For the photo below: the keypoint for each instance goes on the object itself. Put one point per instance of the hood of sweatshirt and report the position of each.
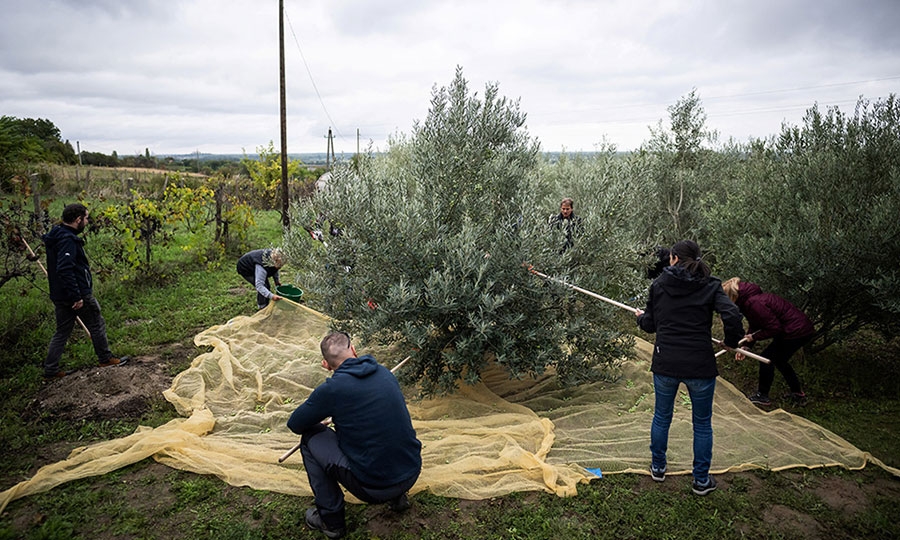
(677, 281)
(358, 367)
(60, 233)
(747, 290)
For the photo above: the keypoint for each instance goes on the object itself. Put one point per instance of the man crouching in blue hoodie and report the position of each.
(372, 451)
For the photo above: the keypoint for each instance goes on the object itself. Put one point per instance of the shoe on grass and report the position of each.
(658, 475)
(314, 521)
(115, 361)
(399, 504)
(797, 398)
(705, 488)
(57, 375)
(760, 399)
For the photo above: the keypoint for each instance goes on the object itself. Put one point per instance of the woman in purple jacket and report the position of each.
(771, 316)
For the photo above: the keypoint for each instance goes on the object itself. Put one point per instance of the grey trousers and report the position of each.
(65, 321)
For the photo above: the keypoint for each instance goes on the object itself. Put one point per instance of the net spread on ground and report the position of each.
(494, 438)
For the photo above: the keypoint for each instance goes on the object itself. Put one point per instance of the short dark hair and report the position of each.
(334, 346)
(73, 211)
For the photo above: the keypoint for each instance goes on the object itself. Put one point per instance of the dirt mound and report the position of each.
(96, 393)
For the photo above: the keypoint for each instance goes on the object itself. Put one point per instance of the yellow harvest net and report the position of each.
(487, 440)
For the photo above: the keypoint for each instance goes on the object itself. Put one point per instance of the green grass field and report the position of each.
(854, 391)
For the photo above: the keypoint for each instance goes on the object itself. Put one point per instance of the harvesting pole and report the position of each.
(636, 311)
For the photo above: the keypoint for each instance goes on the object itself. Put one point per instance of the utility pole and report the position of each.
(285, 198)
(329, 153)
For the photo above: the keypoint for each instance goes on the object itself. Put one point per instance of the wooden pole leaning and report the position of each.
(35, 257)
(718, 342)
(328, 420)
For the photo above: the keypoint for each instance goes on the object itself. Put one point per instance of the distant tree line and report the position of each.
(26, 142)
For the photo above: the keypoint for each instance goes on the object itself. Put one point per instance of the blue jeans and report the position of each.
(701, 392)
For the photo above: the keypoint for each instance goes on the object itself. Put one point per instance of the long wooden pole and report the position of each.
(328, 420)
(636, 311)
(35, 257)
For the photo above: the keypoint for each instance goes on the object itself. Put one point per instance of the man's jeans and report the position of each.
(327, 469)
(65, 321)
(701, 392)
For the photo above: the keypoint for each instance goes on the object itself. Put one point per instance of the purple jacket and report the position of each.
(770, 315)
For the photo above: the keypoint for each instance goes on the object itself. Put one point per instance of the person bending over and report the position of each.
(256, 267)
(771, 316)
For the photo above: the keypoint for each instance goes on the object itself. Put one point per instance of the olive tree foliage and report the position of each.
(812, 215)
(434, 240)
(610, 194)
(680, 167)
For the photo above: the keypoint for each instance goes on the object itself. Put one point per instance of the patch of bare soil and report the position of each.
(116, 392)
(842, 496)
(790, 522)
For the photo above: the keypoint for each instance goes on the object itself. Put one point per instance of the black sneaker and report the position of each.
(115, 361)
(658, 475)
(399, 504)
(703, 489)
(797, 398)
(314, 521)
(52, 376)
(760, 399)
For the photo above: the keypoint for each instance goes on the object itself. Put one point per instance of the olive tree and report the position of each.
(430, 245)
(812, 215)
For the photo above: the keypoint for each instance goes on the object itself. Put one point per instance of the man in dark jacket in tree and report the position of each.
(567, 221)
(71, 289)
(372, 451)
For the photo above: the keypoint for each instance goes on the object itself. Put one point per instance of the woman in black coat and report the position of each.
(679, 310)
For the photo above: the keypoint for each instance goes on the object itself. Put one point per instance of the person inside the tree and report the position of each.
(567, 222)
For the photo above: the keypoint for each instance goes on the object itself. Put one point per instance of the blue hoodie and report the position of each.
(68, 270)
(375, 432)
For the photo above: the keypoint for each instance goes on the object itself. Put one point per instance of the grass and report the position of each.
(855, 395)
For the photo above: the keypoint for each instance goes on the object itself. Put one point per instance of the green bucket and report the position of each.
(289, 291)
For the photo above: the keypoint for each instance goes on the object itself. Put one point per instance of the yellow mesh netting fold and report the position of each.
(491, 439)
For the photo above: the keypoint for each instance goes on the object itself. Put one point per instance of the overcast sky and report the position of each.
(179, 76)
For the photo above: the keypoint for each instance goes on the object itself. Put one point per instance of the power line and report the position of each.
(311, 80)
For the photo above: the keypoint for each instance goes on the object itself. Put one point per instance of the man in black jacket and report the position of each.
(372, 451)
(71, 289)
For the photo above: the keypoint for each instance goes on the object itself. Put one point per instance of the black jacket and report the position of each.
(68, 270)
(679, 310)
